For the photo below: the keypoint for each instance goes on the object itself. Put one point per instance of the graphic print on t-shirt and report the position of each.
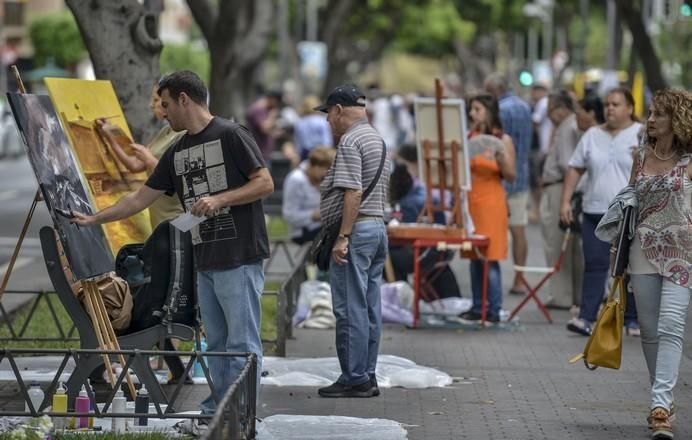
(202, 172)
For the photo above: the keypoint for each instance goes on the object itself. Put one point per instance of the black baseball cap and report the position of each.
(348, 95)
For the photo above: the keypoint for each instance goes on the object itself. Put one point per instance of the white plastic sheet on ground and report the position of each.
(392, 371)
(453, 306)
(296, 427)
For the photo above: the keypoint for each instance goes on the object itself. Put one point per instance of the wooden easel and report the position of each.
(92, 296)
(444, 161)
(27, 221)
(104, 329)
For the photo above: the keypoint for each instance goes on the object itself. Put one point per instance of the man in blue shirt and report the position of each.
(515, 115)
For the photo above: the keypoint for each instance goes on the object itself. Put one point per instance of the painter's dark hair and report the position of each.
(184, 81)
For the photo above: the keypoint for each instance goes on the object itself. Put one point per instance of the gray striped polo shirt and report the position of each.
(358, 157)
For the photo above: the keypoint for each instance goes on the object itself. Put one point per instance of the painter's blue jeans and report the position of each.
(356, 301)
(230, 303)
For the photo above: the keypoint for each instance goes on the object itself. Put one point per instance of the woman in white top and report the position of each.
(606, 152)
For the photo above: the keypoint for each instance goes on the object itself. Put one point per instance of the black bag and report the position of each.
(320, 252)
(623, 242)
(322, 245)
(160, 275)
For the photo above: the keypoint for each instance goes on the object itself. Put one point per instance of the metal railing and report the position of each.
(291, 258)
(17, 329)
(235, 415)
(243, 404)
(292, 274)
(290, 289)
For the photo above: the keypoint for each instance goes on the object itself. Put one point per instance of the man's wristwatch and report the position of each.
(346, 236)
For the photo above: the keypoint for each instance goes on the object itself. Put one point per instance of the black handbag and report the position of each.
(622, 244)
(320, 252)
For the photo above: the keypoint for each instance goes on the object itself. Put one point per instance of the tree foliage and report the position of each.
(185, 56)
(431, 29)
(56, 36)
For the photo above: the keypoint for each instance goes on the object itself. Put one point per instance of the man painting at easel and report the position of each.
(231, 243)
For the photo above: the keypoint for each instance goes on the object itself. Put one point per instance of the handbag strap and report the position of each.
(618, 287)
(377, 175)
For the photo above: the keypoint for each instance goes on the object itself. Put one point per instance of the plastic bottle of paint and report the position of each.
(197, 371)
(60, 405)
(92, 403)
(35, 394)
(118, 406)
(142, 405)
(81, 405)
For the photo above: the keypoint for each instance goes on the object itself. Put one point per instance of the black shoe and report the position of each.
(340, 390)
(376, 389)
(492, 319)
(470, 317)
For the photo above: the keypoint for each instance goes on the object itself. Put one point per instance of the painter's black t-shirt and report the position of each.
(219, 158)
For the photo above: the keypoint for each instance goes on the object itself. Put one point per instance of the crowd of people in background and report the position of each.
(559, 161)
(550, 160)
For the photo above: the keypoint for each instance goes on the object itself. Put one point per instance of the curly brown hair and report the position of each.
(678, 104)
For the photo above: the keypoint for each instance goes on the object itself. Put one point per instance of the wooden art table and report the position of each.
(422, 236)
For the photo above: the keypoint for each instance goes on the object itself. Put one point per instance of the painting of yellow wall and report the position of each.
(80, 103)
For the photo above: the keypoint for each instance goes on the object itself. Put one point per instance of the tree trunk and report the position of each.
(123, 43)
(237, 34)
(642, 43)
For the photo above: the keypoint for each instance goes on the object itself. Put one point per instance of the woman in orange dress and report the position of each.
(492, 160)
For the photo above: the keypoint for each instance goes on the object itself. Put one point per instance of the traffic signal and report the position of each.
(525, 78)
(686, 8)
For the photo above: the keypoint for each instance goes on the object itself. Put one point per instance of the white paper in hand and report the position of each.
(187, 221)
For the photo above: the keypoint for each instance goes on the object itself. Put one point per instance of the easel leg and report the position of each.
(416, 283)
(22, 234)
(484, 292)
(101, 307)
(86, 285)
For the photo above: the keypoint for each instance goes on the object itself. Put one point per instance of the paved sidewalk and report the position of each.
(510, 385)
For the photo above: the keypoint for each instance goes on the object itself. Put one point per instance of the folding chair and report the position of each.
(532, 292)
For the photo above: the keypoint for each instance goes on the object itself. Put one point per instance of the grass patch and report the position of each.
(41, 325)
(44, 325)
(277, 229)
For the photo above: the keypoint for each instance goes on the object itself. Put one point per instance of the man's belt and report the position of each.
(363, 217)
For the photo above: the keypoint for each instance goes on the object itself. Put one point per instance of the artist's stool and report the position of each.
(532, 292)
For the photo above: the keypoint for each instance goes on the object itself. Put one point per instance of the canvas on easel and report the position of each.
(61, 185)
(443, 158)
(454, 122)
(79, 103)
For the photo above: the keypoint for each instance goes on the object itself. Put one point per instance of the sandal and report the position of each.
(633, 331)
(580, 326)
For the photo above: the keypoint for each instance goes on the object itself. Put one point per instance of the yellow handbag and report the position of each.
(604, 347)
